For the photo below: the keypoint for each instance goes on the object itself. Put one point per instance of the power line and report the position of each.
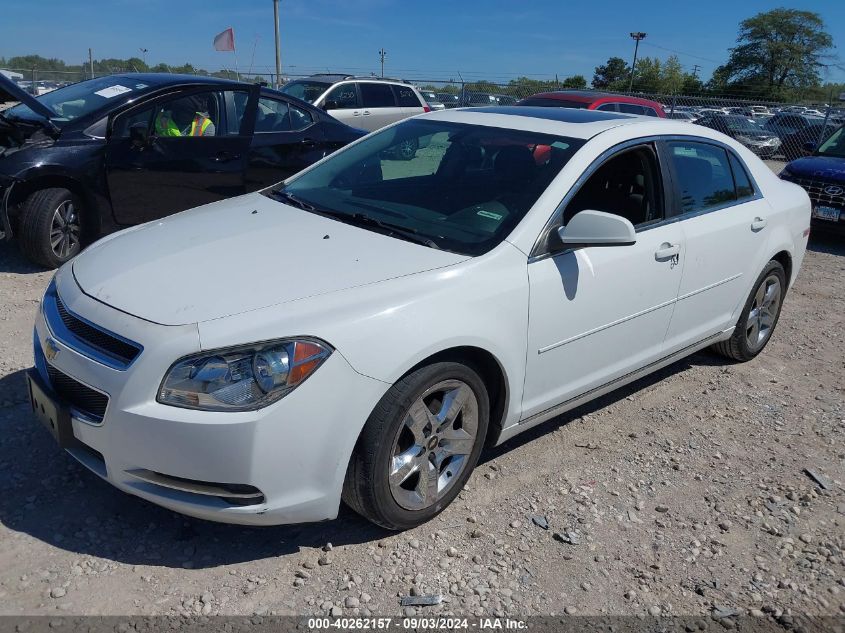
(672, 50)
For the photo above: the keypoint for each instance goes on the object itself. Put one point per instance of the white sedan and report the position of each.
(361, 331)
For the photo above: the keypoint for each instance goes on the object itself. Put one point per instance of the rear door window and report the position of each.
(744, 188)
(377, 95)
(703, 172)
(406, 98)
(608, 107)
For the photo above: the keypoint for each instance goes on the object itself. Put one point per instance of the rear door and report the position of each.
(723, 217)
(379, 105)
(173, 170)
(287, 138)
(408, 101)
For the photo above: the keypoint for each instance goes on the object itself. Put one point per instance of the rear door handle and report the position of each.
(308, 142)
(758, 224)
(356, 113)
(667, 251)
(366, 113)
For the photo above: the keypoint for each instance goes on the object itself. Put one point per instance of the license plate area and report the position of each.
(52, 414)
(826, 213)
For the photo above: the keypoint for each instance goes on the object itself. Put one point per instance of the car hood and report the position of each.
(239, 255)
(825, 167)
(10, 91)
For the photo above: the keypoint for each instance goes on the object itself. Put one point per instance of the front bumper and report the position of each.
(294, 452)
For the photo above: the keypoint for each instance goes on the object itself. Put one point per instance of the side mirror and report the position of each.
(331, 105)
(809, 147)
(597, 228)
(139, 134)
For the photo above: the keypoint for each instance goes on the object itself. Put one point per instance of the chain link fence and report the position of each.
(770, 128)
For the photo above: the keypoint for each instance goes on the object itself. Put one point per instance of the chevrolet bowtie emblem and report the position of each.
(51, 349)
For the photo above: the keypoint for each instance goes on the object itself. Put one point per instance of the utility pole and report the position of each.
(382, 54)
(278, 47)
(91, 62)
(639, 35)
(695, 69)
(144, 56)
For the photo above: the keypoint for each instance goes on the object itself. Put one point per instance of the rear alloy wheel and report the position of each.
(419, 446)
(759, 315)
(51, 227)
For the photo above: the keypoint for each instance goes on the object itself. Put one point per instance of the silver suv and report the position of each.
(368, 103)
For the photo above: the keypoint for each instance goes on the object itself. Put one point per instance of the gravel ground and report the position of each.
(684, 493)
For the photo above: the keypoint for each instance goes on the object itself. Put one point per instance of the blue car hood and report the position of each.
(825, 167)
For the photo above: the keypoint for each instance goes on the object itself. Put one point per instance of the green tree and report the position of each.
(778, 50)
(612, 75)
(647, 75)
(575, 81)
(671, 76)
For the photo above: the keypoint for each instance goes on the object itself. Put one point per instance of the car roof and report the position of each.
(571, 122)
(165, 79)
(591, 96)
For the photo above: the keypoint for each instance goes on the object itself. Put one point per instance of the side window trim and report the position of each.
(541, 250)
(720, 207)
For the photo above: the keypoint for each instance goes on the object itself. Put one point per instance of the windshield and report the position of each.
(741, 124)
(76, 100)
(452, 186)
(308, 91)
(834, 145)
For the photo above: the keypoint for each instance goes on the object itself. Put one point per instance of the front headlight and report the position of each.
(242, 378)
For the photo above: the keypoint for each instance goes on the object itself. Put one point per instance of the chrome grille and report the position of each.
(87, 401)
(816, 190)
(85, 337)
(96, 337)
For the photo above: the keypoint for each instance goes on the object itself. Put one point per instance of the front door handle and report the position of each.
(366, 113)
(225, 157)
(758, 224)
(308, 142)
(667, 251)
(356, 113)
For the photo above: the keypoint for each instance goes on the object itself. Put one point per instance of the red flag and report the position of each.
(225, 41)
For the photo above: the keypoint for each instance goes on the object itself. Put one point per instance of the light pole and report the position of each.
(639, 35)
(278, 49)
(382, 54)
(144, 56)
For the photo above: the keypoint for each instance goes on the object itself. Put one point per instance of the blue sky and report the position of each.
(432, 39)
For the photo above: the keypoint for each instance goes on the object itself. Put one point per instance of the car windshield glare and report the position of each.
(834, 145)
(308, 91)
(81, 99)
(453, 186)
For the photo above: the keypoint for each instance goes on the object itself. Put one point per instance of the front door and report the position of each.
(194, 153)
(598, 313)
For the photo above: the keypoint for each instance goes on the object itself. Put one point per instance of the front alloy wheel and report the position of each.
(419, 446)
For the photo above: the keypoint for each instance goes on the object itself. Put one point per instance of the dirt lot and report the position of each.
(685, 493)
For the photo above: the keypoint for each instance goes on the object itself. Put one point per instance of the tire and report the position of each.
(44, 213)
(401, 500)
(754, 328)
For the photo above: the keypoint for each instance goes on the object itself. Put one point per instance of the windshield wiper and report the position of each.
(358, 219)
(402, 232)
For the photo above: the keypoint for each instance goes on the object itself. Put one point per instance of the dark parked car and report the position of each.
(806, 139)
(785, 123)
(595, 100)
(448, 99)
(745, 130)
(96, 156)
(822, 174)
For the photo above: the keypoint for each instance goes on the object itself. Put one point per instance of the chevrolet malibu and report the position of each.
(362, 330)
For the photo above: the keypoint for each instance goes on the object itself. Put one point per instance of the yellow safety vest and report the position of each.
(199, 125)
(166, 126)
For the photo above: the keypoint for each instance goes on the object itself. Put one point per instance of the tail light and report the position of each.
(426, 108)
